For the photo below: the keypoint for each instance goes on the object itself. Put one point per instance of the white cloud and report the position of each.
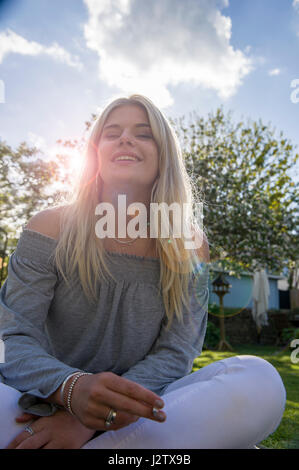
(10, 42)
(296, 4)
(274, 72)
(148, 46)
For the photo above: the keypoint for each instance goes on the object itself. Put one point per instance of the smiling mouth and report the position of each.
(126, 159)
(126, 162)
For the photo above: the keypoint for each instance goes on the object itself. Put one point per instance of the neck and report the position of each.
(133, 194)
(122, 197)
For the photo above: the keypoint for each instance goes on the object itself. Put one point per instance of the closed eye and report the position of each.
(116, 136)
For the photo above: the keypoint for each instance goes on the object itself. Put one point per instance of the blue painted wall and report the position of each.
(240, 294)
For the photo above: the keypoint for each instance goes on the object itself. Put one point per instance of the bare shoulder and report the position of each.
(46, 222)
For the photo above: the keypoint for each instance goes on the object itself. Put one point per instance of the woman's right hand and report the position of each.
(93, 396)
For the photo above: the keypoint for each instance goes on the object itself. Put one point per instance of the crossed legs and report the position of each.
(230, 404)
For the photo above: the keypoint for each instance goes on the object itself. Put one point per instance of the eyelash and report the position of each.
(140, 135)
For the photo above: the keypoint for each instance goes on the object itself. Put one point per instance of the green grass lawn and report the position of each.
(286, 435)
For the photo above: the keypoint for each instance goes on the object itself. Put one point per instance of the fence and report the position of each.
(241, 328)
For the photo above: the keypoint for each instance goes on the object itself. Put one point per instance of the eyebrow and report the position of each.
(110, 126)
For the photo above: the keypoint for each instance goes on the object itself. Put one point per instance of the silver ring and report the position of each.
(110, 418)
(29, 429)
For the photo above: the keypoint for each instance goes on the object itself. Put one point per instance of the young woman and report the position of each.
(101, 328)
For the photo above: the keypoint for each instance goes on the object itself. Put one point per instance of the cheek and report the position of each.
(156, 159)
(101, 162)
(153, 152)
(104, 152)
(103, 149)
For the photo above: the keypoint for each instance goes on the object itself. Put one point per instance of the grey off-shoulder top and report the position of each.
(50, 330)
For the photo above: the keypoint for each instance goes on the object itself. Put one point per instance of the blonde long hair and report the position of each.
(78, 249)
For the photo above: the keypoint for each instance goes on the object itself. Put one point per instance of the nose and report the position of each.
(126, 137)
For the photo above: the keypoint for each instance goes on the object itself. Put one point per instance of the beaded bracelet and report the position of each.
(69, 395)
(64, 384)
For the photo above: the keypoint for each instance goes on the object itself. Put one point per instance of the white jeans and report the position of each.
(230, 404)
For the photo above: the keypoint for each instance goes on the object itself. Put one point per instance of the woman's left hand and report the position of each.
(59, 431)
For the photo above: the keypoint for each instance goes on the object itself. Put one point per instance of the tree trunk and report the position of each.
(294, 298)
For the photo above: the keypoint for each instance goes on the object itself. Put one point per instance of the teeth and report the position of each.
(126, 157)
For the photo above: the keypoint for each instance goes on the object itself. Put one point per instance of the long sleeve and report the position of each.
(175, 349)
(25, 298)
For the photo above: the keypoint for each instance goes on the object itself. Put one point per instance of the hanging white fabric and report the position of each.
(260, 298)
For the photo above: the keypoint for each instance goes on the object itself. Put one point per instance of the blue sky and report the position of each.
(62, 60)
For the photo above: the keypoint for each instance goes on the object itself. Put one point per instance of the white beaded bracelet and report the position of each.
(69, 395)
(64, 383)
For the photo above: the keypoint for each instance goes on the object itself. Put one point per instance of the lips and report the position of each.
(124, 153)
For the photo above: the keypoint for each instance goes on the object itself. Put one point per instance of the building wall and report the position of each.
(240, 295)
(241, 329)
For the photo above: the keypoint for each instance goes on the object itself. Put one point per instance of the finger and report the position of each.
(24, 417)
(37, 441)
(24, 435)
(100, 414)
(18, 440)
(129, 419)
(121, 418)
(51, 445)
(132, 406)
(134, 390)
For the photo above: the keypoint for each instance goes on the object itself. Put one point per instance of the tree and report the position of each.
(28, 184)
(242, 172)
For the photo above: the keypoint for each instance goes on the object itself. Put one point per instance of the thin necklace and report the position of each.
(145, 254)
(147, 251)
(127, 242)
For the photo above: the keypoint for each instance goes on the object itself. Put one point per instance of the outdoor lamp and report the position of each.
(221, 287)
